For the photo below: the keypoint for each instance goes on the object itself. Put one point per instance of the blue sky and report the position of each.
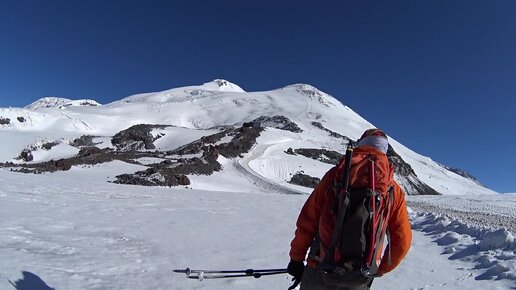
(439, 76)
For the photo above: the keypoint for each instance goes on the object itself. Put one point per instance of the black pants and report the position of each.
(312, 280)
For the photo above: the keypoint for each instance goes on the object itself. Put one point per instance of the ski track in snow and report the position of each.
(243, 167)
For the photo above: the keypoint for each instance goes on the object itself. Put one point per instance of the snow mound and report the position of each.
(79, 103)
(61, 103)
(492, 251)
(497, 239)
(47, 102)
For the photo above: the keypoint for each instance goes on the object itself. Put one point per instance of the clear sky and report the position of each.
(439, 76)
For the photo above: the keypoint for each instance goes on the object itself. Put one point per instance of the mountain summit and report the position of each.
(223, 85)
(61, 103)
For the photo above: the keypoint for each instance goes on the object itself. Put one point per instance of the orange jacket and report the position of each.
(308, 221)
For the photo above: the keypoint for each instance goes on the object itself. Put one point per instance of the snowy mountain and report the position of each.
(115, 196)
(61, 103)
(299, 118)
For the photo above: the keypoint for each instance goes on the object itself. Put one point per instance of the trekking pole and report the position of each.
(341, 204)
(347, 168)
(221, 274)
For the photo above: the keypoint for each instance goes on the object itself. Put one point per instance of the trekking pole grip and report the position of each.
(347, 168)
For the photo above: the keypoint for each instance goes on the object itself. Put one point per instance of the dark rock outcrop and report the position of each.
(242, 140)
(83, 141)
(304, 180)
(411, 184)
(137, 137)
(20, 119)
(89, 151)
(87, 156)
(290, 151)
(49, 145)
(401, 167)
(332, 133)
(278, 122)
(322, 155)
(5, 121)
(170, 173)
(153, 177)
(462, 173)
(26, 155)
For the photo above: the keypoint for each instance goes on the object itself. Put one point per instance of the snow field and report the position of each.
(77, 231)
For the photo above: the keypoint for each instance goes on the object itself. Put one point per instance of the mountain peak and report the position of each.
(61, 103)
(223, 85)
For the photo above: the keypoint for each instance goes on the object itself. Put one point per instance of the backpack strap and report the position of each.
(341, 206)
(382, 231)
(332, 255)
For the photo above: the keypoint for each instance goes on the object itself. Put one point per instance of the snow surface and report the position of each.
(76, 231)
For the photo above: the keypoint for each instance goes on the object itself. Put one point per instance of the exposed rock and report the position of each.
(83, 141)
(198, 146)
(322, 155)
(88, 156)
(26, 155)
(166, 173)
(290, 151)
(5, 121)
(304, 180)
(169, 173)
(332, 133)
(411, 184)
(21, 119)
(153, 177)
(49, 145)
(401, 167)
(25, 170)
(253, 124)
(8, 164)
(313, 93)
(63, 165)
(278, 122)
(243, 140)
(462, 173)
(137, 137)
(88, 151)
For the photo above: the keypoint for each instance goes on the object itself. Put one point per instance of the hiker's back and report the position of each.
(345, 220)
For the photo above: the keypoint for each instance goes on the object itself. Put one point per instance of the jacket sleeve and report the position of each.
(400, 231)
(308, 220)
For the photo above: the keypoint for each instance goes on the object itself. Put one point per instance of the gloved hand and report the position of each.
(295, 268)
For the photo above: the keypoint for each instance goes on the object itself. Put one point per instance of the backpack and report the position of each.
(353, 222)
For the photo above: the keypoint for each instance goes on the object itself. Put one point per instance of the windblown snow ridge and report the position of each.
(492, 251)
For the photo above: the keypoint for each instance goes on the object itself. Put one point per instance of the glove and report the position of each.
(295, 268)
